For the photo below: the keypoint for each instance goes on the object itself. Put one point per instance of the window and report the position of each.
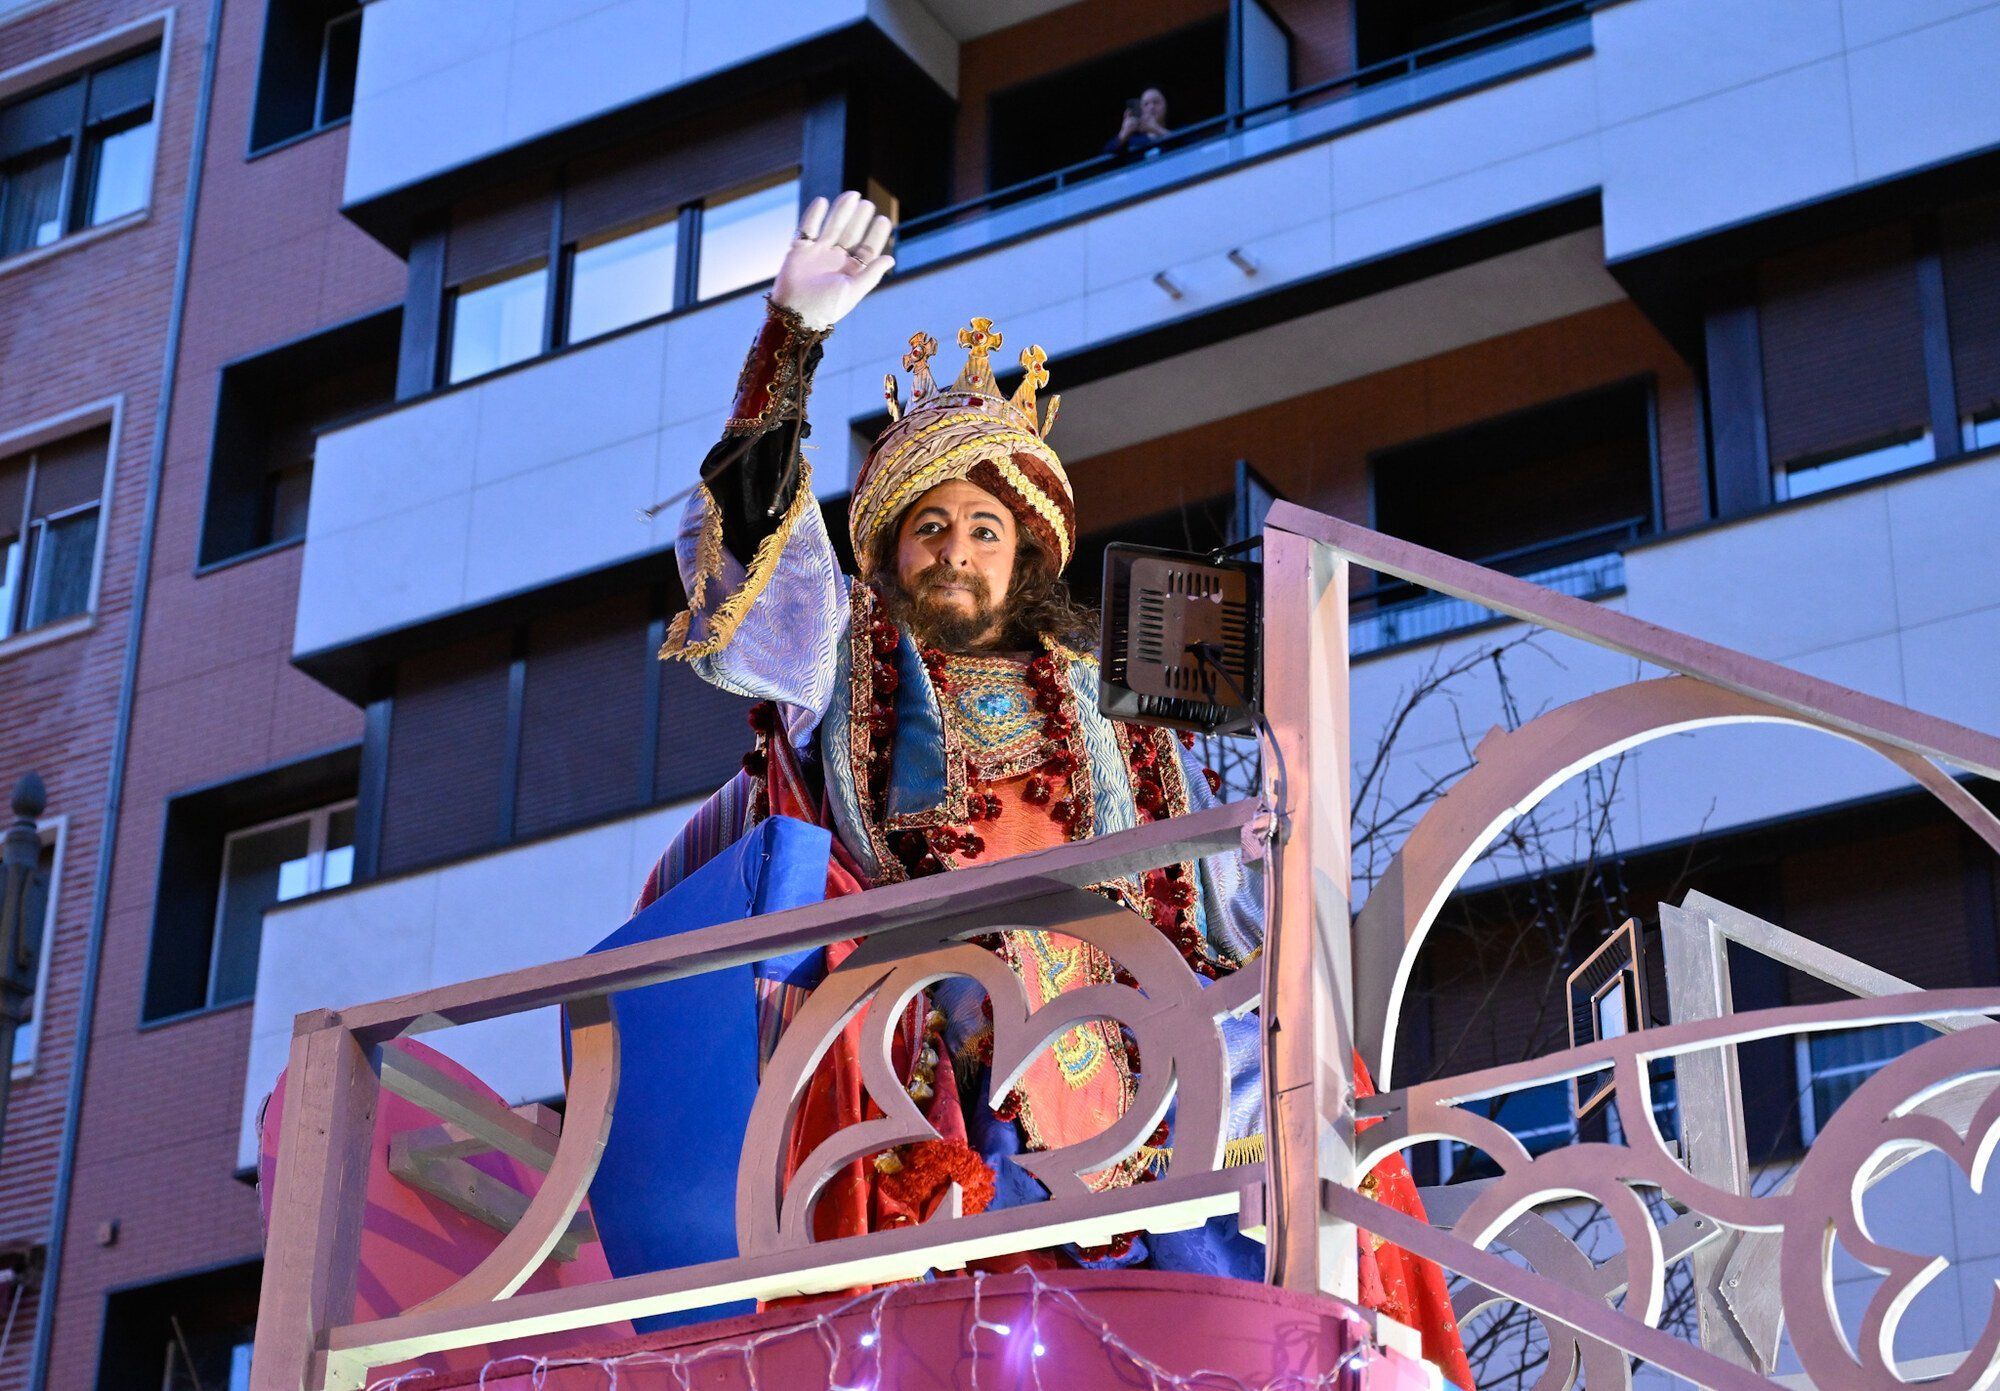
(232, 851)
(1970, 251)
(77, 155)
(1066, 117)
(633, 269)
(744, 235)
(1834, 1065)
(192, 1333)
(339, 57)
(1551, 493)
(623, 277)
(265, 866)
(566, 719)
(1982, 432)
(305, 82)
(1806, 477)
(49, 503)
(270, 412)
(41, 909)
(497, 321)
(1845, 391)
(613, 238)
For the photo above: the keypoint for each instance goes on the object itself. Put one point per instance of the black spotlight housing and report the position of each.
(1180, 639)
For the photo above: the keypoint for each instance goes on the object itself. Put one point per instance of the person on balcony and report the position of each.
(1144, 126)
(941, 710)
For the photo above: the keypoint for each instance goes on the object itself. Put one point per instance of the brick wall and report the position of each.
(79, 325)
(1315, 447)
(217, 698)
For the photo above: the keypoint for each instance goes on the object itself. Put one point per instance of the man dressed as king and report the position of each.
(939, 710)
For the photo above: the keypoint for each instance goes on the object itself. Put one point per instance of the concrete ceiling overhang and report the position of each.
(1502, 295)
(968, 19)
(1351, 324)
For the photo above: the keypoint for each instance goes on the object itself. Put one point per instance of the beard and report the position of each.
(924, 608)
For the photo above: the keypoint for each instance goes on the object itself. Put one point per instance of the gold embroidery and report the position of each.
(723, 623)
(994, 709)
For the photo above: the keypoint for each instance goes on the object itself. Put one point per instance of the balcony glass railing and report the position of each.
(1587, 565)
(1381, 89)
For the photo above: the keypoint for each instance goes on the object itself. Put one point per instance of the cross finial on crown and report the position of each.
(1037, 364)
(980, 339)
(917, 362)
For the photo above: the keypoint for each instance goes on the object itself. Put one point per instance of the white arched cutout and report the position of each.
(1513, 771)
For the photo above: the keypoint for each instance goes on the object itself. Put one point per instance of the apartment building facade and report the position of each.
(99, 109)
(1689, 309)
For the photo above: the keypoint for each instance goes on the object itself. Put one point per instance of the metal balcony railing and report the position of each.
(1583, 565)
(1328, 987)
(1369, 80)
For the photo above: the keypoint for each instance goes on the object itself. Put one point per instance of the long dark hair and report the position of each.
(1038, 604)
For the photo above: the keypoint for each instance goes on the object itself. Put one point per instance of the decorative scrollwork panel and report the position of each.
(1170, 1015)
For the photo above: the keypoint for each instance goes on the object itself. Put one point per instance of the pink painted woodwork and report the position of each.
(1244, 1334)
(414, 1245)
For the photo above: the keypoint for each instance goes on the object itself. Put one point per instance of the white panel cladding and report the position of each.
(522, 906)
(1909, 94)
(544, 462)
(1817, 586)
(1719, 114)
(445, 82)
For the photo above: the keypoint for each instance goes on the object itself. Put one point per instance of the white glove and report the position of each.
(835, 260)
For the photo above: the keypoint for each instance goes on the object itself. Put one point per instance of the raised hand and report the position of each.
(835, 260)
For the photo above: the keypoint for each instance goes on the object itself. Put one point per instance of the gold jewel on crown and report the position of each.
(975, 380)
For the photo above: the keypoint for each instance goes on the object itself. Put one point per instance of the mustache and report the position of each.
(942, 576)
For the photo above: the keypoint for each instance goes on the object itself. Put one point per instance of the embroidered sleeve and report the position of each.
(1232, 893)
(771, 629)
(752, 474)
(766, 606)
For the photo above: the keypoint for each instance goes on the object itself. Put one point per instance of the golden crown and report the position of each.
(980, 341)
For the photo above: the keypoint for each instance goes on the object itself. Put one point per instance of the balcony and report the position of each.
(1586, 566)
(1882, 588)
(1306, 1205)
(1413, 78)
(443, 86)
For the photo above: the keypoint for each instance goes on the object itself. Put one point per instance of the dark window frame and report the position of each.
(262, 139)
(228, 479)
(143, 1308)
(559, 263)
(194, 830)
(76, 132)
(654, 787)
(1618, 536)
(1646, 382)
(1747, 475)
(31, 530)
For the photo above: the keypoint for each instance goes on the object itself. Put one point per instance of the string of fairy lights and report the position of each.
(860, 1364)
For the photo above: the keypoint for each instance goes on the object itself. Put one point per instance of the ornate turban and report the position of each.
(971, 432)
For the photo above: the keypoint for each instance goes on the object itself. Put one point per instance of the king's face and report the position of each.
(955, 550)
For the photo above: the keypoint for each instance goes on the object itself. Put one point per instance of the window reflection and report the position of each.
(497, 321)
(265, 866)
(623, 277)
(744, 235)
(121, 170)
(31, 202)
(1803, 480)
